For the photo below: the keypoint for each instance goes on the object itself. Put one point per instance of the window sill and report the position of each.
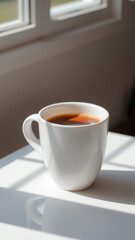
(45, 48)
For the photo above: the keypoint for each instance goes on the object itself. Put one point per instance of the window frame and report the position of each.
(24, 32)
(43, 27)
(76, 19)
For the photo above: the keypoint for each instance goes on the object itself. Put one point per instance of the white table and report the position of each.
(104, 211)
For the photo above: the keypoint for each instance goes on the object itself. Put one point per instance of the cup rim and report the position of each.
(73, 103)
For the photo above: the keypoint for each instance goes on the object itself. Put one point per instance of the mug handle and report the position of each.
(29, 134)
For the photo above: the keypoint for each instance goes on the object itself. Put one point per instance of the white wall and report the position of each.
(100, 72)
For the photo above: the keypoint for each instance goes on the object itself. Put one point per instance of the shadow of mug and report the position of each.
(114, 186)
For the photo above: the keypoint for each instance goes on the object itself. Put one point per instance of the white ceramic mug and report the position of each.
(72, 154)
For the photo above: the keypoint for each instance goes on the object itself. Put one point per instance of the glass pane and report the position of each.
(9, 10)
(59, 2)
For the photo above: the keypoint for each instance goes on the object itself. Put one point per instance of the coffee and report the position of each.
(73, 119)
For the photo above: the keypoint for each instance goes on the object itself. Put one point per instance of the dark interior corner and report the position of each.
(128, 126)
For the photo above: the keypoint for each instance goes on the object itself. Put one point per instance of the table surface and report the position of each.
(32, 207)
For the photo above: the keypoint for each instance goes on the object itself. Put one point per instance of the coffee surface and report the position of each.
(73, 119)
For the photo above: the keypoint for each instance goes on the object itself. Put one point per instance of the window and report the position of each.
(22, 21)
(61, 9)
(13, 14)
(67, 14)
